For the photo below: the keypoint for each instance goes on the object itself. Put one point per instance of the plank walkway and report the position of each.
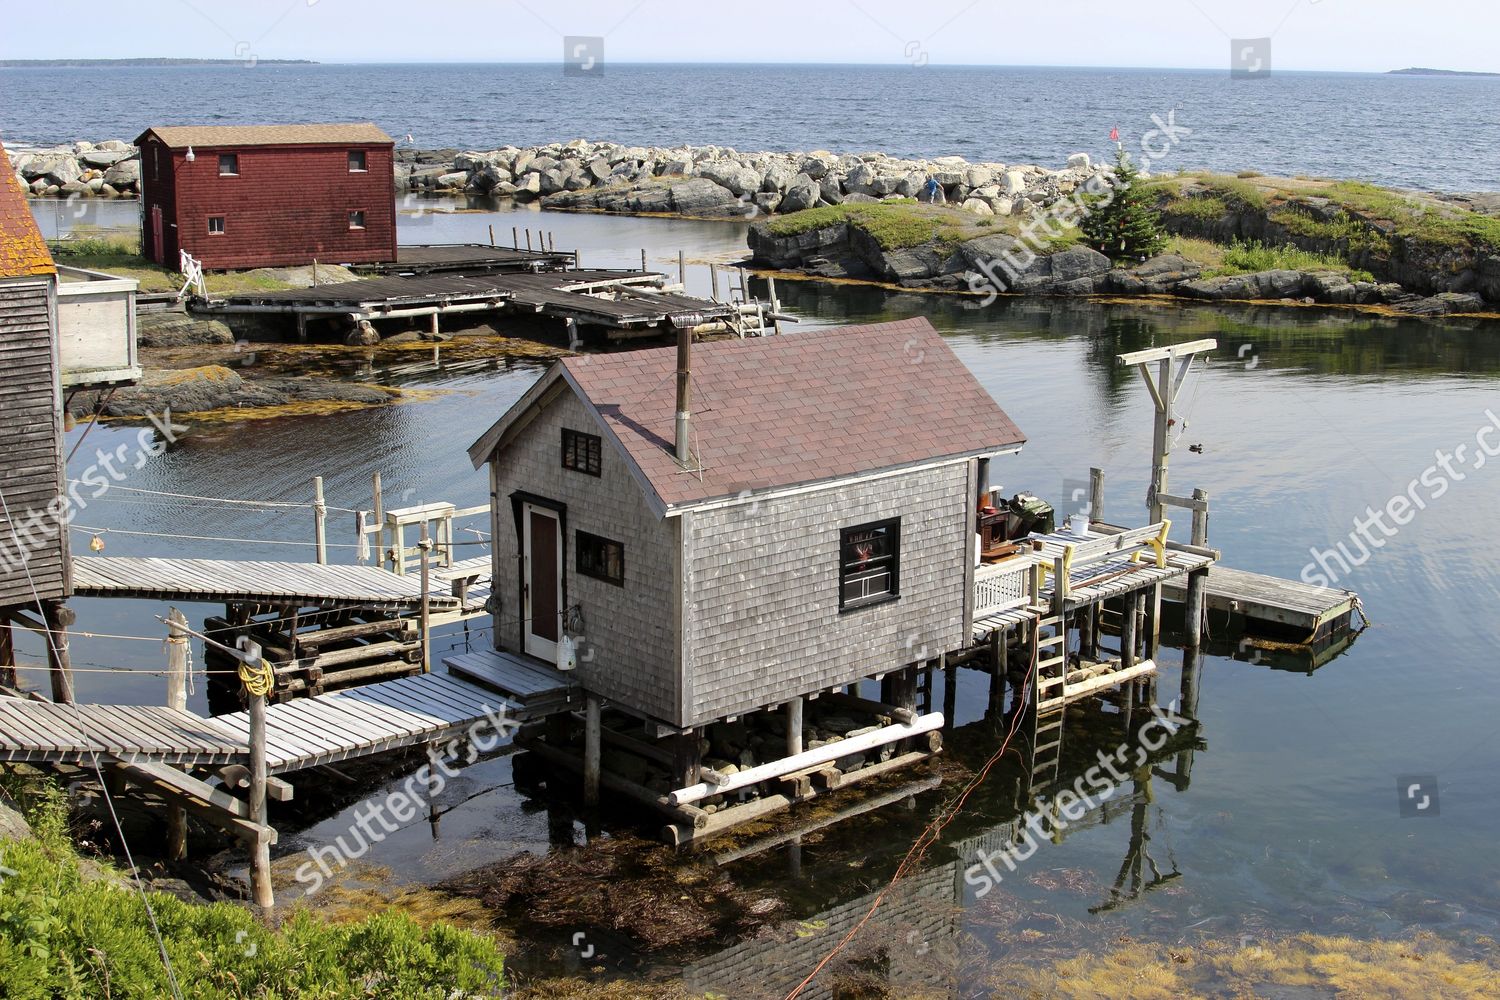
(534, 689)
(301, 733)
(256, 582)
(367, 720)
(40, 731)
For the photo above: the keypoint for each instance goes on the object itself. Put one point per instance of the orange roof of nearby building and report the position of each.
(23, 252)
(211, 136)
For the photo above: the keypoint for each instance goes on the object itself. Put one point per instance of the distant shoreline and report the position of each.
(71, 63)
(1424, 71)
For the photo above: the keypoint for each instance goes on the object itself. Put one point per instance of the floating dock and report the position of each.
(469, 258)
(1289, 608)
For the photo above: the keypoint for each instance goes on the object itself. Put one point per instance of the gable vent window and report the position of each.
(869, 564)
(581, 452)
(229, 165)
(601, 558)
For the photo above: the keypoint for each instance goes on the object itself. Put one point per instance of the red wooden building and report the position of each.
(267, 195)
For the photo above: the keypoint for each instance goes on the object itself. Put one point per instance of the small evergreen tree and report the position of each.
(1121, 223)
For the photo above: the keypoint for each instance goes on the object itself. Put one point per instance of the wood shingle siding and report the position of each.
(763, 578)
(31, 459)
(629, 650)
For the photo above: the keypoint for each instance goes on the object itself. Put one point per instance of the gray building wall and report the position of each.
(630, 652)
(31, 462)
(762, 607)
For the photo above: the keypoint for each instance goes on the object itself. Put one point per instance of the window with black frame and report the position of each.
(581, 452)
(869, 564)
(601, 558)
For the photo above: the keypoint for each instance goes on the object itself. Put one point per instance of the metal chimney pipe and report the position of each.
(684, 390)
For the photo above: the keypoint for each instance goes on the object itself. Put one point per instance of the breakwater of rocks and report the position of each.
(108, 169)
(719, 181)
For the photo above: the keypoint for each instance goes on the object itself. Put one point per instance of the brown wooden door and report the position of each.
(541, 599)
(158, 250)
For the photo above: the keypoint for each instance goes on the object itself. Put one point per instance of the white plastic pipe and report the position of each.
(809, 758)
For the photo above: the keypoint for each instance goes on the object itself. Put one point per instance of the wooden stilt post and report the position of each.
(433, 818)
(260, 864)
(643, 258)
(551, 242)
(7, 654)
(301, 327)
(515, 238)
(492, 234)
(528, 241)
(320, 521)
(794, 726)
(775, 305)
(682, 268)
(591, 744)
(713, 280)
(1197, 580)
(1096, 494)
(58, 617)
(425, 544)
(997, 672)
(950, 692)
(177, 667)
(377, 501)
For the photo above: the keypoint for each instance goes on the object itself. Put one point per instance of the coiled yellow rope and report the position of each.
(259, 681)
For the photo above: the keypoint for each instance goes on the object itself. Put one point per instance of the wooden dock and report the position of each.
(1296, 610)
(533, 689)
(470, 258)
(611, 299)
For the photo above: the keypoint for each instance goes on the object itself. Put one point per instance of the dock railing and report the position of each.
(1003, 586)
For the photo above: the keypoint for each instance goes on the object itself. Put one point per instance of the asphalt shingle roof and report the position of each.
(210, 136)
(23, 252)
(796, 409)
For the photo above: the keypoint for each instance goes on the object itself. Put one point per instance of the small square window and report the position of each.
(581, 452)
(869, 564)
(229, 164)
(601, 558)
(216, 225)
(357, 161)
(357, 219)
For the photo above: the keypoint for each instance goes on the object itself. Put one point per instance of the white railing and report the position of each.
(1002, 586)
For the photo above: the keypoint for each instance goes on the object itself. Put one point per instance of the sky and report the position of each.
(1349, 35)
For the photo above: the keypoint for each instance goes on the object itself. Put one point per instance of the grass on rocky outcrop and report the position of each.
(1249, 257)
(121, 256)
(893, 224)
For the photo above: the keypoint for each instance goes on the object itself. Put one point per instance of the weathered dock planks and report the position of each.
(1300, 608)
(233, 580)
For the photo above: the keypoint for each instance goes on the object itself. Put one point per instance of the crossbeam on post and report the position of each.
(1164, 387)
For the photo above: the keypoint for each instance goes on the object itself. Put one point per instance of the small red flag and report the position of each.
(1114, 134)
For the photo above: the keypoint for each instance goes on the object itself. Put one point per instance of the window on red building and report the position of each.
(357, 219)
(229, 164)
(357, 161)
(216, 225)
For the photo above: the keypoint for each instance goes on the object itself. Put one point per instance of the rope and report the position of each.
(931, 833)
(259, 680)
(228, 500)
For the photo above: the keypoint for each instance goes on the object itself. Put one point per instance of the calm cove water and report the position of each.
(1290, 819)
(1419, 132)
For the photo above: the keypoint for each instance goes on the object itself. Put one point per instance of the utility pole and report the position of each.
(1164, 387)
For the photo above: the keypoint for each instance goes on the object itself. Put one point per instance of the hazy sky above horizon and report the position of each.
(1353, 35)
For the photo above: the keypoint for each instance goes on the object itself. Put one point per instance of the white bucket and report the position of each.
(1078, 525)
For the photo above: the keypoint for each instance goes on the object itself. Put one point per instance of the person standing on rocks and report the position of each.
(932, 192)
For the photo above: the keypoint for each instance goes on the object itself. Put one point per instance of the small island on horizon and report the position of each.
(1426, 71)
(147, 61)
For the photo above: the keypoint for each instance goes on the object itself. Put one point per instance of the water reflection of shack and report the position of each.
(919, 938)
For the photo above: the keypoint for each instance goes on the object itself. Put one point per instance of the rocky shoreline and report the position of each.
(108, 169)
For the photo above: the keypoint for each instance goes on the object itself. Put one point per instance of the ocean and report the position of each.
(1406, 131)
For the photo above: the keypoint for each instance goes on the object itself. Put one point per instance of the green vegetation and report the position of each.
(893, 224)
(1124, 224)
(1205, 208)
(67, 936)
(1237, 193)
(1416, 218)
(121, 256)
(1249, 257)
